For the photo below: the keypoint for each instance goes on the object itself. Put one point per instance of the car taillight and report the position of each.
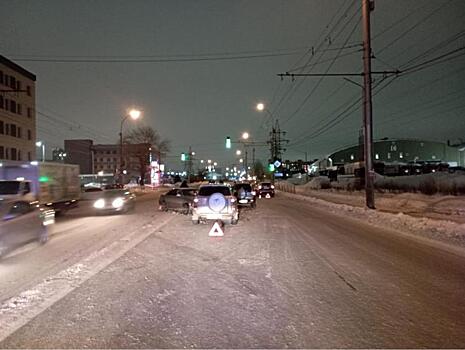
(260, 187)
(254, 193)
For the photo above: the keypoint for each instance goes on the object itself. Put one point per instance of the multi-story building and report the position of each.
(17, 112)
(105, 158)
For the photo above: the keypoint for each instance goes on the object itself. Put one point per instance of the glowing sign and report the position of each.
(44, 179)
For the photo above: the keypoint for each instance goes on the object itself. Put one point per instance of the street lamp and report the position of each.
(41, 144)
(134, 114)
(245, 135)
(238, 152)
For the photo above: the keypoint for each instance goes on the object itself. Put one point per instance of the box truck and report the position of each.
(54, 185)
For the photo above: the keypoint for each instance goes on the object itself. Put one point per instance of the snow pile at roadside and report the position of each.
(318, 183)
(441, 230)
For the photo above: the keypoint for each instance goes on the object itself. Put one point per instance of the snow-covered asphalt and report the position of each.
(289, 275)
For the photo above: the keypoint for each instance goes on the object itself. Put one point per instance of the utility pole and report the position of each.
(189, 165)
(246, 162)
(367, 7)
(275, 142)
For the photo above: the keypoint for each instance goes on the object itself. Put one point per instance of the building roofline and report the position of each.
(385, 140)
(16, 67)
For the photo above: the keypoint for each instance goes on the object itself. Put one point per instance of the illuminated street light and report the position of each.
(215, 164)
(260, 106)
(209, 161)
(245, 135)
(134, 114)
(201, 161)
(41, 144)
(238, 152)
(241, 160)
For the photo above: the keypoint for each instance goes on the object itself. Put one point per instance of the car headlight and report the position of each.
(118, 202)
(99, 203)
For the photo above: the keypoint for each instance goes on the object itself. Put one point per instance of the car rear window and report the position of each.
(209, 190)
(188, 192)
(266, 185)
(246, 187)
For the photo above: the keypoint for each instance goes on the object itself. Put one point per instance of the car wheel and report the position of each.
(195, 222)
(253, 205)
(162, 207)
(234, 221)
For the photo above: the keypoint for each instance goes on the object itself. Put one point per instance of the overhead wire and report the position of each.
(293, 88)
(310, 94)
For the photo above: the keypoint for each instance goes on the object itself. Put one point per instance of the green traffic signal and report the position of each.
(183, 157)
(271, 167)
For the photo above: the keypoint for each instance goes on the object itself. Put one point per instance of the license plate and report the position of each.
(268, 195)
(243, 201)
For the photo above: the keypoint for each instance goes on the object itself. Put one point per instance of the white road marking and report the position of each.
(19, 310)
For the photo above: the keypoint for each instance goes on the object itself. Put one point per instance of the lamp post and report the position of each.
(41, 144)
(134, 114)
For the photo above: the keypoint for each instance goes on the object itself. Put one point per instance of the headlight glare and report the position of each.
(118, 202)
(99, 203)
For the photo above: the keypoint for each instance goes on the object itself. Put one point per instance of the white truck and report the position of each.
(54, 185)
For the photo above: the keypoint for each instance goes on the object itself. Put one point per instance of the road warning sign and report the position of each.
(216, 230)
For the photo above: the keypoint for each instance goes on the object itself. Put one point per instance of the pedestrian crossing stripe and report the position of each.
(216, 230)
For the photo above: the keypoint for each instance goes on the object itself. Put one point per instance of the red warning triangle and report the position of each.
(216, 230)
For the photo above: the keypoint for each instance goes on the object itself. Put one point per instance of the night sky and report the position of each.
(198, 68)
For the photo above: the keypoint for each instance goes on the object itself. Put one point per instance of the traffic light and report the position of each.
(271, 167)
(183, 157)
(228, 142)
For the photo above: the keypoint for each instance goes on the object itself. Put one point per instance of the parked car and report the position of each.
(22, 222)
(215, 202)
(265, 190)
(245, 194)
(110, 201)
(180, 199)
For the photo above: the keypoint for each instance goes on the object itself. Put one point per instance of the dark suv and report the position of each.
(265, 190)
(245, 194)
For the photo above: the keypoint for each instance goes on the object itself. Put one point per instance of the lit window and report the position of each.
(376, 156)
(401, 155)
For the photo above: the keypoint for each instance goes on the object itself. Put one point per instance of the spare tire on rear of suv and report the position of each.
(216, 202)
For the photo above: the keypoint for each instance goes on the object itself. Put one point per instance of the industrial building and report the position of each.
(402, 151)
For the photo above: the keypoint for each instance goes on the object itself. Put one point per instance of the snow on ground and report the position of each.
(352, 205)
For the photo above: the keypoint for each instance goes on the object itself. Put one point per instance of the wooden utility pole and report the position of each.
(367, 7)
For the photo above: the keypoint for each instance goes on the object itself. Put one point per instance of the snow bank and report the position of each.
(441, 230)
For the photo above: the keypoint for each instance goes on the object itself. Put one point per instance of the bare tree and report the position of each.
(146, 134)
(149, 136)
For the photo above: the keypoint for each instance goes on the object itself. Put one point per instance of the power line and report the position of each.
(437, 60)
(422, 20)
(309, 95)
(291, 91)
(154, 60)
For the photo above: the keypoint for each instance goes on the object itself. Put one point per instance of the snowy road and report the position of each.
(288, 275)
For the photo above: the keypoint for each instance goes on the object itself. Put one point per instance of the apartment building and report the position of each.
(17, 112)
